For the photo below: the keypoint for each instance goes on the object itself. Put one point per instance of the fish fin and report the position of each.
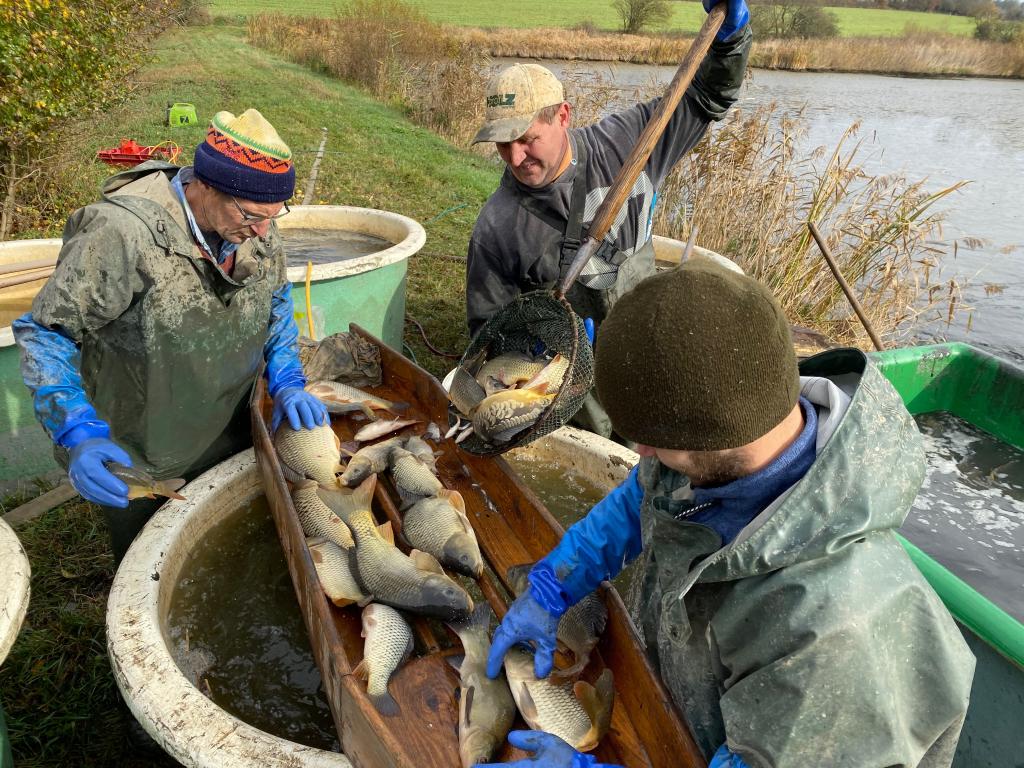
(385, 703)
(570, 673)
(425, 561)
(149, 495)
(454, 498)
(396, 407)
(362, 670)
(168, 488)
(455, 661)
(387, 532)
(342, 602)
(349, 448)
(527, 706)
(597, 701)
(540, 388)
(362, 497)
(367, 411)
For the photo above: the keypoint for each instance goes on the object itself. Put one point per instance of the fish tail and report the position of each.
(596, 701)
(480, 617)
(169, 488)
(572, 672)
(385, 703)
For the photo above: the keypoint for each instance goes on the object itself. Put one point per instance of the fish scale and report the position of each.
(316, 518)
(437, 526)
(558, 711)
(412, 476)
(388, 643)
(309, 453)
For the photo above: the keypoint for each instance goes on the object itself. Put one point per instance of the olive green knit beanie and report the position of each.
(697, 359)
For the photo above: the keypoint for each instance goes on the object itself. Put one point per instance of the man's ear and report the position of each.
(564, 114)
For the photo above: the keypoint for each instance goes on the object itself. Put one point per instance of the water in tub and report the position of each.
(325, 246)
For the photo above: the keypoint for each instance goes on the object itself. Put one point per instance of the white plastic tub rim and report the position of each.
(187, 725)
(669, 250)
(601, 462)
(14, 251)
(14, 587)
(407, 235)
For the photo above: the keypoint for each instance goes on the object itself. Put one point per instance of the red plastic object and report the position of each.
(129, 152)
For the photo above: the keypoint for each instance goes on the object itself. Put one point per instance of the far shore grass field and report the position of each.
(686, 16)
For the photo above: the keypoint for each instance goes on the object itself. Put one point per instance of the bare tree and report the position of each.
(637, 14)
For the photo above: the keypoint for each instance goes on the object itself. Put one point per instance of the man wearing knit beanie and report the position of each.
(169, 293)
(772, 593)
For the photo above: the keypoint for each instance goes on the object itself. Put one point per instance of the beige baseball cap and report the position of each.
(514, 97)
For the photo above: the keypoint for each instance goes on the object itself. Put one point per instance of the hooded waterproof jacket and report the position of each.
(810, 638)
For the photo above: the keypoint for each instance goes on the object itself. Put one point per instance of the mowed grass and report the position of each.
(686, 16)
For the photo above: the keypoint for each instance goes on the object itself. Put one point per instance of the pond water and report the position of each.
(324, 246)
(942, 130)
(970, 510)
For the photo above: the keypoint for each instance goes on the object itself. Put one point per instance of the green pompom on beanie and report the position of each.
(699, 358)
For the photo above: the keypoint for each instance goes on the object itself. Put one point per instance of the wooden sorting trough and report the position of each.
(513, 527)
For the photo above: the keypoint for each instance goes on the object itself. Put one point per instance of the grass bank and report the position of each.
(686, 16)
(56, 687)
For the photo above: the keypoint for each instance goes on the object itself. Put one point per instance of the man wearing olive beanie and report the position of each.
(771, 592)
(169, 293)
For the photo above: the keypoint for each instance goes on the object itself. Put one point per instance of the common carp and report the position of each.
(486, 707)
(413, 476)
(415, 582)
(334, 570)
(388, 644)
(369, 460)
(507, 371)
(311, 454)
(465, 393)
(579, 629)
(316, 518)
(552, 374)
(439, 526)
(336, 395)
(502, 416)
(579, 713)
(142, 485)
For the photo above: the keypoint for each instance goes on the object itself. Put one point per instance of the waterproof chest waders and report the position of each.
(594, 303)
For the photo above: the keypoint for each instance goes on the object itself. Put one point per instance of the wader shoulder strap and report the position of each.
(571, 227)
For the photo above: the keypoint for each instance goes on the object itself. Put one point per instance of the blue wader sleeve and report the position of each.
(600, 545)
(50, 363)
(282, 349)
(726, 758)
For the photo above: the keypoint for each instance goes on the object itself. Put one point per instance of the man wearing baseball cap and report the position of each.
(143, 346)
(556, 177)
(770, 590)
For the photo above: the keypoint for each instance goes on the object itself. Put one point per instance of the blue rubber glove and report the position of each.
(736, 17)
(588, 326)
(549, 752)
(726, 758)
(532, 617)
(302, 409)
(88, 471)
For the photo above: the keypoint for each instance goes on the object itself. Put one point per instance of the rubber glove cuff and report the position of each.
(79, 433)
(88, 473)
(547, 590)
(302, 409)
(736, 17)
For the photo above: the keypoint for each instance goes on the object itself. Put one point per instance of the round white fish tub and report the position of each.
(14, 588)
(186, 724)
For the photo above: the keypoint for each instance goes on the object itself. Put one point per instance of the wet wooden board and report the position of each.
(512, 527)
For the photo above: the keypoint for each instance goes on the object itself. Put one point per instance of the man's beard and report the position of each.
(708, 469)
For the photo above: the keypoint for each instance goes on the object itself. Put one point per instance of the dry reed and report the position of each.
(751, 197)
(915, 54)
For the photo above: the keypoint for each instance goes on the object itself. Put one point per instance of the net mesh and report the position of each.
(518, 327)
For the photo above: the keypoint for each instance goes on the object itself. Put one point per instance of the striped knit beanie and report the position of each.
(699, 358)
(243, 156)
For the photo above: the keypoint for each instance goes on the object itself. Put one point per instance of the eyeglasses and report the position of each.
(250, 218)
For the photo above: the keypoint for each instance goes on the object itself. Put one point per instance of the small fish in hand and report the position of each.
(142, 485)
